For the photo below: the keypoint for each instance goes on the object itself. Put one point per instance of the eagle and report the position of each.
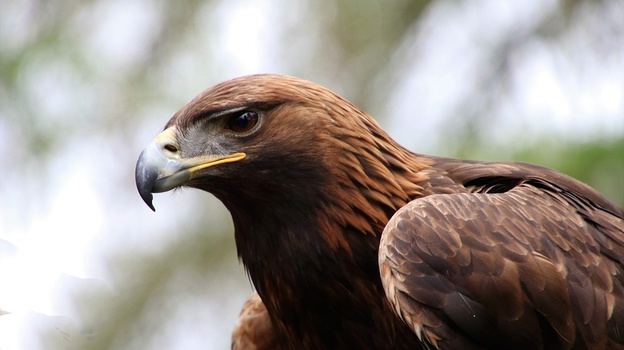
(352, 241)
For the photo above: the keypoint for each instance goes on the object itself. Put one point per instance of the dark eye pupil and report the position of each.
(243, 122)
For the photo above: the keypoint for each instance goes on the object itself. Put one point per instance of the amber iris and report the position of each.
(242, 122)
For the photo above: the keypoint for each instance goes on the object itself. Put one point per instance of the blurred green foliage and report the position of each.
(599, 163)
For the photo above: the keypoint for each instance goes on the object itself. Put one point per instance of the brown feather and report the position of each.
(253, 330)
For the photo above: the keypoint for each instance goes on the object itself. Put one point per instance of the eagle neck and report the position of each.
(301, 251)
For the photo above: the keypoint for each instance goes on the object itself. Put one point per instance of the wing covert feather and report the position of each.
(527, 267)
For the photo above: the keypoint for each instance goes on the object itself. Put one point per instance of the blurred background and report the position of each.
(85, 85)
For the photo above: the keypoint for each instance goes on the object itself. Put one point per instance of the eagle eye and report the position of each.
(242, 122)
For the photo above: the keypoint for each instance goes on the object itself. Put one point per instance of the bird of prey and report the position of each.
(354, 242)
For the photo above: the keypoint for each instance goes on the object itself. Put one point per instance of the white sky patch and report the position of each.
(552, 98)
(124, 32)
(52, 245)
(246, 34)
(10, 327)
(540, 80)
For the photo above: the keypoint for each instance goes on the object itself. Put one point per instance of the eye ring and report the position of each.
(242, 121)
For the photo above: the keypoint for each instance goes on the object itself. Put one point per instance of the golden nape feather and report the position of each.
(354, 242)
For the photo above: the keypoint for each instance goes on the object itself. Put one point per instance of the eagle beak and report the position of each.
(161, 168)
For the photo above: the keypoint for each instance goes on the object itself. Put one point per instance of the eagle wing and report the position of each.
(537, 265)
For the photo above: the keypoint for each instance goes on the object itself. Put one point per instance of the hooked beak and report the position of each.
(161, 168)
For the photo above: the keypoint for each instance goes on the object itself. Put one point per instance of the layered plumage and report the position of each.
(352, 241)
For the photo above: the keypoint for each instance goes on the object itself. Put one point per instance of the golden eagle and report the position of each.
(354, 242)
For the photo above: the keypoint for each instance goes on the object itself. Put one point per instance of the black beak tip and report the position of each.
(145, 182)
(147, 198)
